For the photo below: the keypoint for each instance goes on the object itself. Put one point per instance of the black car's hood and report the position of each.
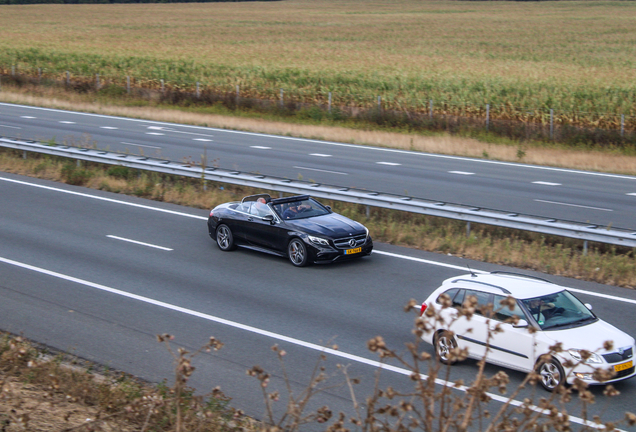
(330, 225)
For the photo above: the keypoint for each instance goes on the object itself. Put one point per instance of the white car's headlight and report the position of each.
(318, 240)
(592, 359)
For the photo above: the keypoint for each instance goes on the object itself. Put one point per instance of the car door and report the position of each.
(260, 230)
(514, 347)
(472, 333)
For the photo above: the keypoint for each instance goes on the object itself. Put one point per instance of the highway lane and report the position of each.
(67, 277)
(563, 194)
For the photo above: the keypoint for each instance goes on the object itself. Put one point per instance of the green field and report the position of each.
(523, 58)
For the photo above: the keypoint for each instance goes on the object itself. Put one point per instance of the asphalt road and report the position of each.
(563, 194)
(99, 275)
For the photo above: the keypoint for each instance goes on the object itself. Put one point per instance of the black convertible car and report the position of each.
(298, 227)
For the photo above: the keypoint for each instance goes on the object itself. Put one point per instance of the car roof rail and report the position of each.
(482, 283)
(502, 272)
(267, 197)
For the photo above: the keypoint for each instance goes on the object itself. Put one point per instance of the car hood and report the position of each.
(591, 337)
(330, 225)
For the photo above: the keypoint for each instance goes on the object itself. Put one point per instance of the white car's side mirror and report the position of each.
(521, 324)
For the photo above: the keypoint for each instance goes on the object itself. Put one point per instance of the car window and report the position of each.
(483, 301)
(259, 209)
(503, 312)
(458, 300)
(300, 209)
(559, 310)
(451, 293)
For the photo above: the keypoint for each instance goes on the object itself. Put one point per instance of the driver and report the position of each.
(293, 210)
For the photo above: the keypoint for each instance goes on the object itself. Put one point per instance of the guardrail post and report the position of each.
(198, 92)
(622, 125)
(24, 154)
(97, 81)
(584, 247)
(237, 96)
(468, 229)
(12, 70)
(329, 106)
(39, 75)
(379, 103)
(128, 84)
(68, 78)
(162, 87)
(430, 109)
(368, 211)
(281, 97)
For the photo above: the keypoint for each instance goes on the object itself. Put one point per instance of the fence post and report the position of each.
(430, 109)
(97, 81)
(237, 96)
(551, 124)
(329, 106)
(128, 84)
(622, 125)
(487, 116)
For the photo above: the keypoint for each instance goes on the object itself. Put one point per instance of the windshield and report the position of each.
(559, 310)
(300, 209)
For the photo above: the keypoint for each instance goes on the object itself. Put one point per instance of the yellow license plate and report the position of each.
(623, 366)
(353, 251)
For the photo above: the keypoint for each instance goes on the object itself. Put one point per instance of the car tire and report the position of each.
(297, 252)
(444, 342)
(224, 238)
(551, 374)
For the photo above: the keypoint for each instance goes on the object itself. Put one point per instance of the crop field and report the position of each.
(576, 57)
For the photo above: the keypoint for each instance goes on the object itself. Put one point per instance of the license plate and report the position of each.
(623, 366)
(353, 251)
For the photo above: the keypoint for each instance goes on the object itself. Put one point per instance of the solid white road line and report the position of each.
(389, 163)
(321, 170)
(139, 243)
(544, 183)
(109, 127)
(375, 251)
(279, 337)
(10, 127)
(573, 205)
(461, 173)
(67, 122)
(140, 145)
(261, 147)
(319, 155)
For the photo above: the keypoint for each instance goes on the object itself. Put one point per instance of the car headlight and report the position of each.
(318, 240)
(592, 359)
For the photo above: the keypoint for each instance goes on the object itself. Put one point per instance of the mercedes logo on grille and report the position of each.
(352, 242)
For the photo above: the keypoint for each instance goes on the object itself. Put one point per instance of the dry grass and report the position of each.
(514, 54)
(597, 160)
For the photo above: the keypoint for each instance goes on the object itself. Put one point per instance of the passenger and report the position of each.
(293, 210)
(260, 207)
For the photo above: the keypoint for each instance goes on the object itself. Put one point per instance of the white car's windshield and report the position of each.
(558, 311)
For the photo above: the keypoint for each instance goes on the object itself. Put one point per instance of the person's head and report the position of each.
(261, 200)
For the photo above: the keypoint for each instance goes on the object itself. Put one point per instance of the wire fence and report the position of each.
(518, 123)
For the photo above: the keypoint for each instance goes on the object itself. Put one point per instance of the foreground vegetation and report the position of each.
(522, 58)
(602, 263)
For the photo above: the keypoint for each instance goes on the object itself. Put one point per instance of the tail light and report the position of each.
(423, 308)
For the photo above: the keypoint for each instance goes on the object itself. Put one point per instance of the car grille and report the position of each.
(344, 242)
(617, 357)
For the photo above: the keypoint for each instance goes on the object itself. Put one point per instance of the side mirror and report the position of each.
(589, 306)
(328, 208)
(521, 324)
(269, 218)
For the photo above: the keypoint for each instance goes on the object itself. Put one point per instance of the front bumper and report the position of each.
(320, 254)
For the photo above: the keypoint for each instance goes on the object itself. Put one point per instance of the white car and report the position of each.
(555, 313)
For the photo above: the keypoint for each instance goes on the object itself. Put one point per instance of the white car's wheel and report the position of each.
(551, 373)
(444, 343)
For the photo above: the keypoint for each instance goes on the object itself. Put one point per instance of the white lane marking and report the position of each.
(279, 337)
(319, 155)
(84, 195)
(632, 194)
(544, 183)
(139, 243)
(108, 127)
(165, 129)
(331, 143)
(389, 163)
(573, 205)
(154, 133)
(202, 139)
(261, 147)
(320, 170)
(10, 127)
(28, 117)
(375, 251)
(140, 145)
(461, 173)
(67, 122)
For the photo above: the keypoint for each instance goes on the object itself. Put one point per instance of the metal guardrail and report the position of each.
(577, 230)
